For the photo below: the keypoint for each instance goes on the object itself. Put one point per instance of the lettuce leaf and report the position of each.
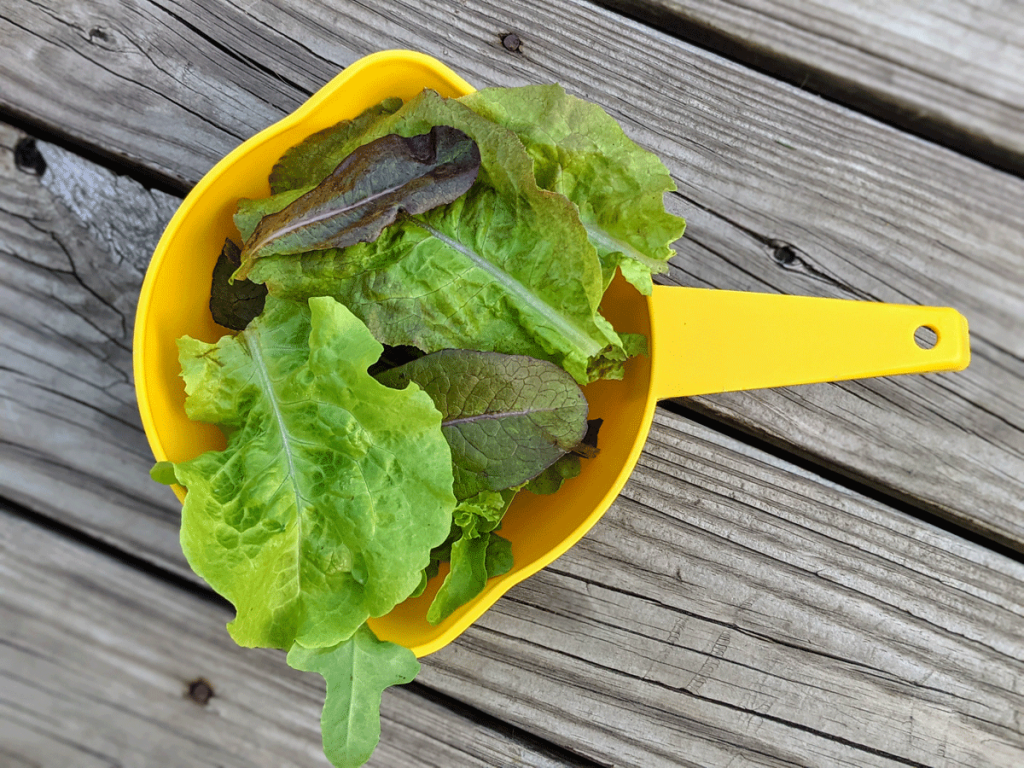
(506, 417)
(482, 513)
(551, 479)
(356, 671)
(312, 160)
(477, 553)
(506, 268)
(333, 500)
(366, 192)
(233, 303)
(163, 473)
(580, 151)
(333, 489)
(464, 581)
(499, 556)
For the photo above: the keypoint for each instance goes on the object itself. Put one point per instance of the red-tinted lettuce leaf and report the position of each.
(367, 192)
(506, 417)
(234, 304)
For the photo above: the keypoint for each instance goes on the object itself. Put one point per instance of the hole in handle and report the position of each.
(926, 337)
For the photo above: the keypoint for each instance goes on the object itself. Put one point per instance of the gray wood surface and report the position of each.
(729, 604)
(951, 71)
(71, 443)
(728, 607)
(862, 210)
(97, 661)
(731, 609)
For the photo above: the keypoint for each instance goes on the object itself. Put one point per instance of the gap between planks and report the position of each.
(706, 672)
(949, 74)
(112, 199)
(722, 593)
(691, 704)
(856, 209)
(102, 665)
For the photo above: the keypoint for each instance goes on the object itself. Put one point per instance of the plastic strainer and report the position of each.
(701, 341)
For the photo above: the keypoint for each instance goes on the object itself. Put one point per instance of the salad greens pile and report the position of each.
(417, 305)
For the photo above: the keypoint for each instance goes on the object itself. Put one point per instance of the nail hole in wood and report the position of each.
(200, 691)
(511, 42)
(926, 337)
(27, 157)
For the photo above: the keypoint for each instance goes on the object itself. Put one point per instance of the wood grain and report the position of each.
(97, 661)
(71, 443)
(839, 617)
(732, 609)
(729, 608)
(784, 193)
(949, 71)
(149, 82)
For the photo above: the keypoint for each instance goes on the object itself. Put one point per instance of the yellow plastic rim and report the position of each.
(174, 302)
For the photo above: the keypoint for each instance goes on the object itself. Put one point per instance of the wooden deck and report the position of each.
(826, 575)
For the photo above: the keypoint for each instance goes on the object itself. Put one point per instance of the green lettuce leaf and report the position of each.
(569, 466)
(506, 417)
(474, 560)
(476, 555)
(580, 151)
(163, 473)
(550, 480)
(507, 268)
(356, 671)
(499, 556)
(366, 192)
(333, 489)
(464, 581)
(482, 513)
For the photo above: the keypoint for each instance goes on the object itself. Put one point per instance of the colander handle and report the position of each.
(705, 341)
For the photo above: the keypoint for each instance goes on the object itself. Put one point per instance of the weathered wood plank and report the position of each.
(818, 619)
(732, 609)
(803, 610)
(146, 81)
(729, 607)
(783, 191)
(71, 443)
(950, 71)
(96, 663)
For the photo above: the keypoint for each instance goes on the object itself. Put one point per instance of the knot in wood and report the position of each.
(784, 254)
(28, 158)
